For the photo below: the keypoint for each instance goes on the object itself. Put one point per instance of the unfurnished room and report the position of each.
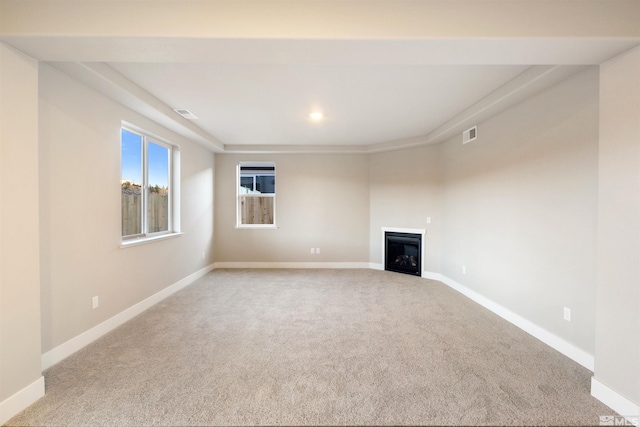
(319, 212)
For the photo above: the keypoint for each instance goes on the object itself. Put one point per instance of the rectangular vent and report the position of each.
(186, 114)
(470, 135)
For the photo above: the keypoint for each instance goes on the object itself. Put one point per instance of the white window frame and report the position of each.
(238, 195)
(173, 194)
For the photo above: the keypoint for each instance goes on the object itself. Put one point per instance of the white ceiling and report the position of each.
(387, 74)
(363, 104)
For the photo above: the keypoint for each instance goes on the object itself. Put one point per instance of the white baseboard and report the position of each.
(66, 349)
(292, 265)
(571, 351)
(580, 356)
(25, 397)
(59, 353)
(432, 276)
(615, 401)
(13, 405)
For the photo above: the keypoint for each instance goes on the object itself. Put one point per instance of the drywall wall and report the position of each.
(405, 190)
(19, 233)
(80, 212)
(618, 285)
(325, 19)
(520, 209)
(322, 201)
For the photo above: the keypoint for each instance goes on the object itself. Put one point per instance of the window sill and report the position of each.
(145, 240)
(256, 227)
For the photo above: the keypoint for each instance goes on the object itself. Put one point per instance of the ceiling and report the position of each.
(253, 86)
(269, 104)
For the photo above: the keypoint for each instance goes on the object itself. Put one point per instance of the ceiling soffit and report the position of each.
(553, 39)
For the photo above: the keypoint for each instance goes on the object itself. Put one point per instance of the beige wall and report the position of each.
(19, 254)
(618, 296)
(333, 19)
(80, 212)
(517, 208)
(520, 209)
(534, 209)
(322, 201)
(405, 189)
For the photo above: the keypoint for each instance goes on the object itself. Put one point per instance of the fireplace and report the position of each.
(403, 252)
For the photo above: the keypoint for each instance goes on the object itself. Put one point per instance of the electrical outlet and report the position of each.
(317, 250)
(464, 269)
(313, 251)
(567, 314)
(428, 220)
(94, 302)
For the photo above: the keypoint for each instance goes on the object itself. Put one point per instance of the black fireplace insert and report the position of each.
(402, 252)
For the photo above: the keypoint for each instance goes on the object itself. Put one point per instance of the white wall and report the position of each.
(617, 326)
(19, 233)
(405, 189)
(80, 212)
(322, 201)
(520, 209)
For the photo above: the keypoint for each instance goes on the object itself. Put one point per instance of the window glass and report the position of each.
(256, 194)
(146, 185)
(246, 184)
(266, 184)
(131, 183)
(158, 188)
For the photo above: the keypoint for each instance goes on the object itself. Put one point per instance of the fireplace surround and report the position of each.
(402, 250)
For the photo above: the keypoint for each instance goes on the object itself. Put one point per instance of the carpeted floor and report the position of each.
(316, 347)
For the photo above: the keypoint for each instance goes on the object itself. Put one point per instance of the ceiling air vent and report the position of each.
(186, 114)
(470, 135)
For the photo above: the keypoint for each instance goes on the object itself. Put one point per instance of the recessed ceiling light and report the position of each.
(316, 116)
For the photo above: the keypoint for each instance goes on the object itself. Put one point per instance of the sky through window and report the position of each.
(158, 161)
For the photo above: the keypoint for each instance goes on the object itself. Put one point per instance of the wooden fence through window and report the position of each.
(157, 213)
(256, 210)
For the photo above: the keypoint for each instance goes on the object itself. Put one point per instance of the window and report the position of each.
(147, 189)
(256, 195)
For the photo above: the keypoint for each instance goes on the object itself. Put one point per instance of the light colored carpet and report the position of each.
(316, 347)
